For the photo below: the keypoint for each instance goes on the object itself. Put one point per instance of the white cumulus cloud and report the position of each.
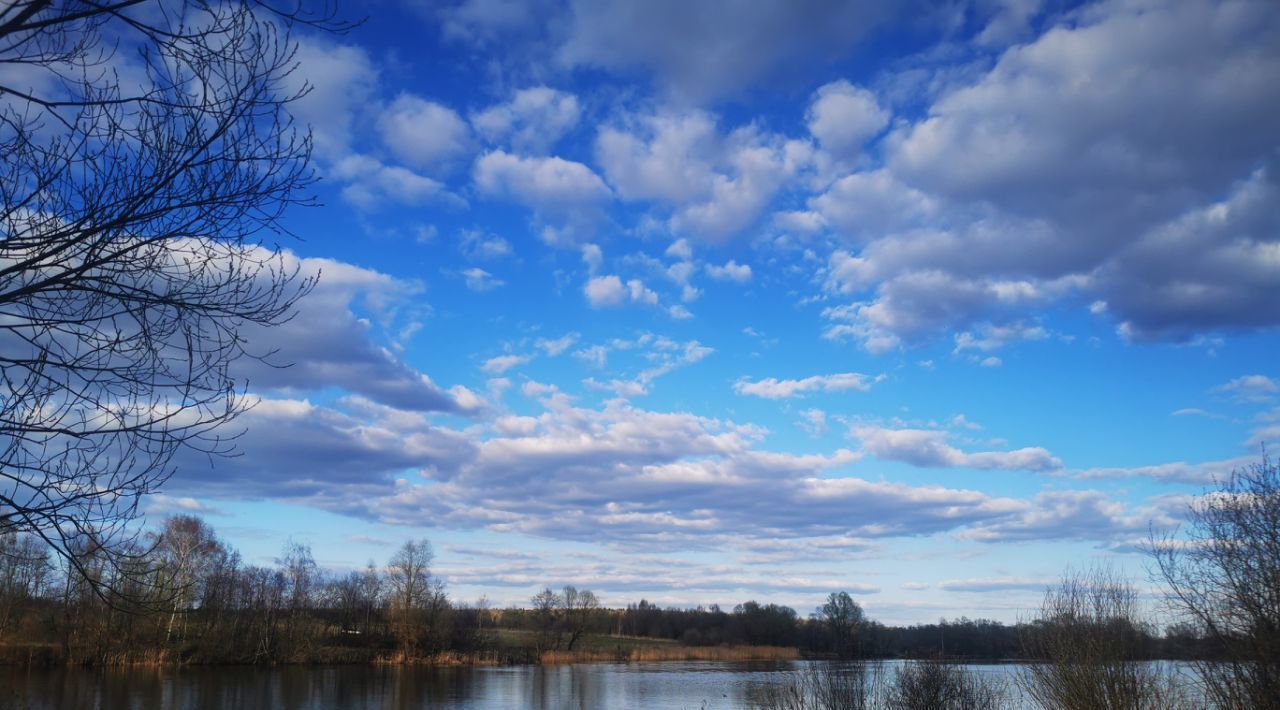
(772, 388)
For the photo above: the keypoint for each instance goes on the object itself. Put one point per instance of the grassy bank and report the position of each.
(507, 647)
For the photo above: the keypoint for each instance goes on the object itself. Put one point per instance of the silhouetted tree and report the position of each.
(766, 624)
(579, 607)
(843, 619)
(24, 574)
(547, 608)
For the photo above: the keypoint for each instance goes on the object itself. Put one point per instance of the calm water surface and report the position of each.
(701, 684)
(676, 685)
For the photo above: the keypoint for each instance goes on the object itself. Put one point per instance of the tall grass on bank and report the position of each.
(641, 654)
(442, 658)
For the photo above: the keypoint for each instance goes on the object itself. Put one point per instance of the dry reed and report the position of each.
(671, 653)
(443, 658)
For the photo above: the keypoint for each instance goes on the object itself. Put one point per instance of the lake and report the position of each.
(695, 684)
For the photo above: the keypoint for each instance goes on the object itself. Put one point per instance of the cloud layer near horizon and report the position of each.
(660, 277)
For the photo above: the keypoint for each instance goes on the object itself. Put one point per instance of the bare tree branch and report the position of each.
(134, 224)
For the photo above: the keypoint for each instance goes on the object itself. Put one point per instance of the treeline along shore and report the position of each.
(188, 598)
(183, 596)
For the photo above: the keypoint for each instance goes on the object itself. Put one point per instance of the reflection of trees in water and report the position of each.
(603, 685)
(564, 686)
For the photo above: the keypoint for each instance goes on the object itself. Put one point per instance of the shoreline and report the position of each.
(52, 656)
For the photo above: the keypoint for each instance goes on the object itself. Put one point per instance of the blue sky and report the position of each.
(703, 301)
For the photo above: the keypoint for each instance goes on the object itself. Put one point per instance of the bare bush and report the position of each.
(1088, 638)
(830, 686)
(932, 685)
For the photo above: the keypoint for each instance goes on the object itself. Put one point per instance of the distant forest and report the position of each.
(188, 597)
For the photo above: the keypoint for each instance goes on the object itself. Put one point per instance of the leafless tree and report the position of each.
(146, 155)
(302, 577)
(370, 595)
(343, 595)
(484, 609)
(24, 572)
(548, 608)
(301, 574)
(1223, 576)
(186, 552)
(1088, 639)
(579, 609)
(264, 593)
(412, 596)
(843, 619)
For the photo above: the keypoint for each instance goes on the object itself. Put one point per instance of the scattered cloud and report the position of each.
(566, 197)
(843, 117)
(424, 133)
(1072, 515)
(540, 183)
(1251, 388)
(684, 479)
(1002, 201)
(929, 448)
(328, 344)
(663, 355)
(730, 271)
(372, 185)
(342, 81)
(697, 51)
(556, 346)
(531, 122)
(1177, 472)
(772, 388)
(159, 504)
(500, 364)
(988, 337)
(595, 355)
(610, 291)
(814, 421)
(299, 451)
(995, 584)
(479, 280)
(715, 185)
(680, 249)
(476, 245)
